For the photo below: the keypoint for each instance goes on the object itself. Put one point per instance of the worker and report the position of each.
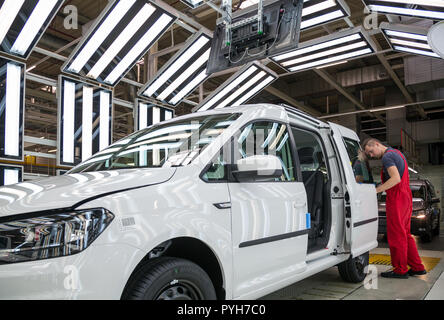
(395, 182)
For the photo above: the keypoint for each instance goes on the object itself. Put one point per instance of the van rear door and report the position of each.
(360, 199)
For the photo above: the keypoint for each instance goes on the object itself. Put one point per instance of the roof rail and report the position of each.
(302, 114)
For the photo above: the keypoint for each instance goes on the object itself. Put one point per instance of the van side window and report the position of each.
(266, 138)
(359, 162)
(311, 155)
(217, 170)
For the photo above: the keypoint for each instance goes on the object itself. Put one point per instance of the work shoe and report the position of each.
(417, 273)
(392, 274)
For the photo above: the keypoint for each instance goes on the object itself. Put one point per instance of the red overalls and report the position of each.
(399, 203)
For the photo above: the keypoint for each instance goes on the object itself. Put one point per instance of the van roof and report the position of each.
(291, 111)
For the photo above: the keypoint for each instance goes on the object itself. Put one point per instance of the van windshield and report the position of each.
(173, 144)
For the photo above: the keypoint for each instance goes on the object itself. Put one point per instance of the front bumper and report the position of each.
(99, 272)
(417, 227)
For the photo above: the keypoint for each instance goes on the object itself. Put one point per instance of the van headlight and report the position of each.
(50, 235)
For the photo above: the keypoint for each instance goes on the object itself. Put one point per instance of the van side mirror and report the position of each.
(258, 168)
(436, 200)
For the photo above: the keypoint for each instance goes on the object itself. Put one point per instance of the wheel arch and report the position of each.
(191, 249)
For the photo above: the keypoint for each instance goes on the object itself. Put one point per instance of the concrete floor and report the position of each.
(329, 285)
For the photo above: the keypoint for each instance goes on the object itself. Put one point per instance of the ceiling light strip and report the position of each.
(8, 13)
(33, 25)
(12, 109)
(416, 51)
(105, 119)
(228, 88)
(427, 14)
(317, 13)
(121, 40)
(69, 98)
(255, 91)
(332, 59)
(87, 122)
(181, 61)
(326, 53)
(150, 37)
(317, 47)
(244, 88)
(199, 63)
(409, 39)
(189, 87)
(116, 15)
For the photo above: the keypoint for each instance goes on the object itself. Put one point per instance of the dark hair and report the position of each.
(370, 142)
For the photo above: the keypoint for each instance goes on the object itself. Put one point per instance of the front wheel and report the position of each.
(170, 279)
(354, 269)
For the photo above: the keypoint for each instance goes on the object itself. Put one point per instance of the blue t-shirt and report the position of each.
(391, 159)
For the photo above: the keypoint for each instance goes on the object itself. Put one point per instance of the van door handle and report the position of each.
(358, 203)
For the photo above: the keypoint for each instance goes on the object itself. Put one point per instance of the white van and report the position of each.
(233, 203)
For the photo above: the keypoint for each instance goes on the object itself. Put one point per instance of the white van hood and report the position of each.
(69, 190)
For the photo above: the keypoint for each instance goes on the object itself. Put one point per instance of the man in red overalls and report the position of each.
(396, 183)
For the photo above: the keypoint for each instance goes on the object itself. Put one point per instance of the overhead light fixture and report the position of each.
(241, 87)
(428, 9)
(23, 23)
(185, 71)
(12, 93)
(410, 39)
(148, 114)
(10, 175)
(327, 50)
(317, 12)
(85, 121)
(105, 58)
(193, 4)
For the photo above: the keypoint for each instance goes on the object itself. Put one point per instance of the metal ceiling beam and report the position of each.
(291, 101)
(327, 77)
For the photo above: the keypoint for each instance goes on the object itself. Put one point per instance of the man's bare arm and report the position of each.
(393, 181)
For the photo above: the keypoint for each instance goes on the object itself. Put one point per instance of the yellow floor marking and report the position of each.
(385, 260)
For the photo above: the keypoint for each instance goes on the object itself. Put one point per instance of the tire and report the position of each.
(427, 237)
(353, 270)
(437, 229)
(169, 279)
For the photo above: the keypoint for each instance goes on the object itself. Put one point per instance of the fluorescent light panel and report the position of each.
(429, 9)
(410, 42)
(325, 52)
(86, 121)
(33, 25)
(8, 13)
(12, 114)
(182, 74)
(316, 13)
(10, 175)
(106, 58)
(149, 114)
(240, 88)
(105, 119)
(69, 99)
(23, 22)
